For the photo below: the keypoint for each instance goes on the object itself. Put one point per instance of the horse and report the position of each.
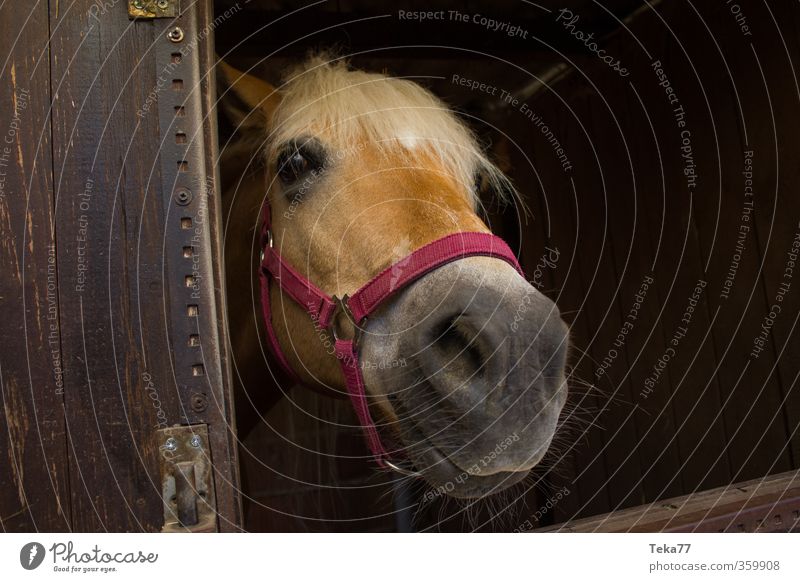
(464, 367)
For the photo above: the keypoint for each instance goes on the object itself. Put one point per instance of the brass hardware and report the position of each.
(176, 34)
(187, 480)
(149, 9)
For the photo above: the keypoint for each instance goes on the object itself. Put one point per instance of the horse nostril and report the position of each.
(458, 346)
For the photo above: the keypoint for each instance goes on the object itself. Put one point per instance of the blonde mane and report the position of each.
(326, 98)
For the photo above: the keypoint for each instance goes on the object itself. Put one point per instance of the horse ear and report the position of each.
(248, 102)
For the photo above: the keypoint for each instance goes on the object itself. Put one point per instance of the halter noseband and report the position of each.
(326, 312)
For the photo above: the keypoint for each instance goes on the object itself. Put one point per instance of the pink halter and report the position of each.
(324, 309)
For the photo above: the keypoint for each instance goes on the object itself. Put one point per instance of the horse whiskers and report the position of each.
(583, 406)
(397, 482)
(498, 509)
(573, 348)
(574, 382)
(501, 511)
(594, 393)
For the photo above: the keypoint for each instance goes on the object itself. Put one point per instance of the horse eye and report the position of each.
(480, 183)
(291, 165)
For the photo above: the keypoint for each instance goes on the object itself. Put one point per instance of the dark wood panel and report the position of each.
(118, 386)
(123, 382)
(689, 421)
(34, 480)
(122, 277)
(685, 417)
(726, 429)
(751, 394)
(369, 26)
(667, 264)
(769, 100)
(607, 199)
(778, 237)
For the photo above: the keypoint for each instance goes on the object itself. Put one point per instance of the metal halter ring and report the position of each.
(400, 470)
(343, 308)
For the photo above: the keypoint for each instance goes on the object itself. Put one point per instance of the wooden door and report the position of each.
(111, 298)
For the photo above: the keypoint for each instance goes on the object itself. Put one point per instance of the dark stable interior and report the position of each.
(296, 467)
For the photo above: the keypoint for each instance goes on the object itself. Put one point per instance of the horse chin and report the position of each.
(448, 479)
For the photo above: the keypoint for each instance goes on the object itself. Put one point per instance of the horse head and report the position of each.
(464, 367)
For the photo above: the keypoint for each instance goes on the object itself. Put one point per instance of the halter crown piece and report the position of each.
(326, 311)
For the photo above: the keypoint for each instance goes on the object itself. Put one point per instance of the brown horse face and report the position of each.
(466, 364)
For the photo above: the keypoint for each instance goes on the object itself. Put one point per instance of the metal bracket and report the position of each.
(187, 192)
(191, 268)
(187, 480)
(149, 9)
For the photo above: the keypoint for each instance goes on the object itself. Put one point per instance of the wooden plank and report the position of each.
(126, 378)
(34, 482)
(221, 417)
(143, 349)
(108, 210)
(662, 241)
(664, 247)
(630, 161)
(766, 504)
(696, 384)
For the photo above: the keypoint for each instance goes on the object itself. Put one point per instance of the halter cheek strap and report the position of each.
(325, 310)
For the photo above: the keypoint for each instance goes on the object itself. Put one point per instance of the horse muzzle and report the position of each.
(478, 400)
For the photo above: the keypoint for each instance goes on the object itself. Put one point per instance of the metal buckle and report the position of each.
(343, 308)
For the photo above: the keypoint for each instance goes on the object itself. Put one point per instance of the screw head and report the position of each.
(163, 4)
(176, 34)
(183, 196)
(199, 401)
(138, 4)
(171, 444)
(196, 441)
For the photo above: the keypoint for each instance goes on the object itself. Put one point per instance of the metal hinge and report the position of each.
(187, 480)
(153, 8)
